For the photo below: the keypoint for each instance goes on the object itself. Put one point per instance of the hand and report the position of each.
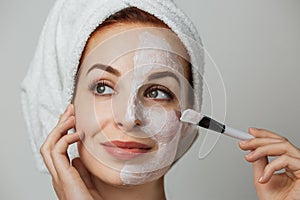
(281, 186)
(69, 181)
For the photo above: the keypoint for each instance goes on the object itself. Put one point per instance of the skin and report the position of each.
(86, 178)
(102, 117)
(268, 185)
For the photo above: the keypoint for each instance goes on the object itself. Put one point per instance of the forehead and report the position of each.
(123, 30)
(109, 44)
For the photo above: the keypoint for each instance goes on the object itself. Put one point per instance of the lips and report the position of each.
(126, 150)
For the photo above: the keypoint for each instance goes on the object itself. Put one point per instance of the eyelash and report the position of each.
(93, 89)
(162, 89)
(93, 86)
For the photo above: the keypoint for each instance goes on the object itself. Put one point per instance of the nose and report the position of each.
(129, 125)
(127, 114)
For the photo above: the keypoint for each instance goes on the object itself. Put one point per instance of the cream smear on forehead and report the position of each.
(159, 124)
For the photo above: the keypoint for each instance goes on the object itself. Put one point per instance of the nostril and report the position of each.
(129, 125)
(137, 122)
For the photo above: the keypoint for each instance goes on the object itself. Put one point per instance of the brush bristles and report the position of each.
(190, 116)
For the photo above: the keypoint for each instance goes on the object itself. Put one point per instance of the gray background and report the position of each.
(256, 47)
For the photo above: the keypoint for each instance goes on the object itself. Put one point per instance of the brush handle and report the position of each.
(237, 134)
(211, 124)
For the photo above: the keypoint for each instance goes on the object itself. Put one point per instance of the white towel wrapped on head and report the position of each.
(48, 86)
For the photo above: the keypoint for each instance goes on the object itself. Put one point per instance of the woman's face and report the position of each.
(130, 93)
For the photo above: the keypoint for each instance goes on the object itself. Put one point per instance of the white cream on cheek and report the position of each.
(159, 124)
(154, 55)
(153, 165)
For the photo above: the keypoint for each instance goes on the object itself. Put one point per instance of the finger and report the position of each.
(263, 133)
(253, 144)
(83, 172)
(275, 149)
(59, 153)
(59, 131)
(68, 112)
(50, 141)
(65, 123)
(67, 175)
(48, 162)
(283, 162)
(258, 168)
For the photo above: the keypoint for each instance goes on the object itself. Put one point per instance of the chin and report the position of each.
(136, 179)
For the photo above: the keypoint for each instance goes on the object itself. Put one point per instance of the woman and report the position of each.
(132, 82)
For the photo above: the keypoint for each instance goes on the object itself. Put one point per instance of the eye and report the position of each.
(102, 88)
(159, 93)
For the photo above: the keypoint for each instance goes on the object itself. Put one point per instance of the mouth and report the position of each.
(126, 150)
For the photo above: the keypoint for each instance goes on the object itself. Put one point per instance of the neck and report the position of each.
(149, 191)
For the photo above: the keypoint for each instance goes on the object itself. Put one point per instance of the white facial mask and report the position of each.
(155, 61)
(161, 125)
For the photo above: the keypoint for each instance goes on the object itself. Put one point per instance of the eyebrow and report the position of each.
(159, 75)
(106, 68)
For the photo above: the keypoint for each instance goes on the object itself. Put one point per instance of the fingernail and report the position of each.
(81, 134)
(243, 142)
(72, 106)
(250, 154)
(261, 179)
(68, 107)
(253, 129)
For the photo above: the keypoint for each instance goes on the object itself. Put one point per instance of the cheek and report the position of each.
(91, 115)
(103, 115)
(84, 114)
(98, 169)
(169, 126)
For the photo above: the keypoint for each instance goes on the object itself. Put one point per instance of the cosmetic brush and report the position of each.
(194, 117)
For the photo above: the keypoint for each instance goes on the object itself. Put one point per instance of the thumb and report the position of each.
(83, 172)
